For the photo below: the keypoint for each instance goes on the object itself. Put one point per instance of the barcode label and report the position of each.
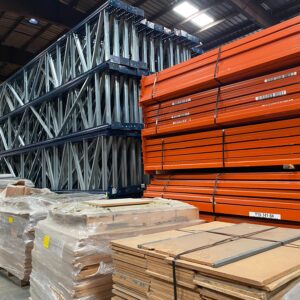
(181, 121)
(264, 215)
(181, 115)
(278, 102)
(280, 77)
(269, 96)
(181, 101)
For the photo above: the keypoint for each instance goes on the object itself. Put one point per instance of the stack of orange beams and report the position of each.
(233, 107)
(276, 195)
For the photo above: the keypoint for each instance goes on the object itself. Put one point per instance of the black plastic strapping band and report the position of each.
(187, 252)
(162, 154)
(217, 67)
(166, 186)
(214, 193)
(223, 148)
(217, 105)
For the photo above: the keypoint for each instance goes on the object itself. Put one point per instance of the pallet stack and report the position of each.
(220, 128)
(75, 240)
(21, 208)
(212, 261)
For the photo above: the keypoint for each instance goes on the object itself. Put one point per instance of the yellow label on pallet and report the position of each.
(10, 220)
(47, 240)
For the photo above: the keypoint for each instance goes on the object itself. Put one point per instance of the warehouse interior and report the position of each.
(149, 150)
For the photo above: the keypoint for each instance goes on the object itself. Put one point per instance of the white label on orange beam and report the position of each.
(269, 96)
(264, 215)
(181, 101)
(280, 77)
(180, 116)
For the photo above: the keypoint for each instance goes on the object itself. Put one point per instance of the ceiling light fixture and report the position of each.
(33, 21)
(202, 20)
(185, 9)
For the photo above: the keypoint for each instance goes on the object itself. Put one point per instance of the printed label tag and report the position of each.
(264, 215)
(181, 101)
(180, 116)
(47, 240)
(280, 77)
(10, 220)
(269, 96)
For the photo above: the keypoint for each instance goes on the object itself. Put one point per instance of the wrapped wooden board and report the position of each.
(19, 215)
(216, 260)
(72, 254)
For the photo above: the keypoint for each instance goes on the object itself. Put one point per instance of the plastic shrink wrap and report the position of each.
(19, 214)
(72, 254)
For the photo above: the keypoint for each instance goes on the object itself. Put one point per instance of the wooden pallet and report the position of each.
(13, 278)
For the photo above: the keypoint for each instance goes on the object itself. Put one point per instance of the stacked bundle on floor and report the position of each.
(233, 107)
(21, 208)
(271, 194)
(210, 261)
(75, 240)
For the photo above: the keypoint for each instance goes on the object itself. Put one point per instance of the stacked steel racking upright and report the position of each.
(70, 120)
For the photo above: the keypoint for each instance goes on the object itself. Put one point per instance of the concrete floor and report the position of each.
(10, 291)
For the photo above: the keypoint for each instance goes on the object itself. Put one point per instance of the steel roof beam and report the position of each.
(52, 11)
(14, 55)
(230, 35)
(254, 12)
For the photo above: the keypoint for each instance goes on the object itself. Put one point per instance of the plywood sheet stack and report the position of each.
(215, 260)
(72, 254)
(21, 208)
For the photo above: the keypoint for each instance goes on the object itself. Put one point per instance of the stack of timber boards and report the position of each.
(21, 208)
(215, 260)
(270, 194)
(72, 253)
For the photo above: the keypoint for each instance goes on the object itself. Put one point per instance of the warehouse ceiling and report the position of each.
(27, 27)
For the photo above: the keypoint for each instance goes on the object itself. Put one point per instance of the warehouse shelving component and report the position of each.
(102, 162)
(106, 96)
(72, 113)
(112, 32)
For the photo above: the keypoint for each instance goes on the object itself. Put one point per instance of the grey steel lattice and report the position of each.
(68, 119)
(100, 163)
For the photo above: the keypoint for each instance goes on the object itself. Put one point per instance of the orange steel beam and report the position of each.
(266, 144)
(240, 194)
(277, 103)
(272, 49)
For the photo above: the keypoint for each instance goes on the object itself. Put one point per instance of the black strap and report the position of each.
(223, 148)
(217, 66)
(166, 185)
(162, 154)
(214, 193)
(217, 105)
(187, 252)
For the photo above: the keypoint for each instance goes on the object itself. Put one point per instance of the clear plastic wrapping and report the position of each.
(72, 253)
(19, 215)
